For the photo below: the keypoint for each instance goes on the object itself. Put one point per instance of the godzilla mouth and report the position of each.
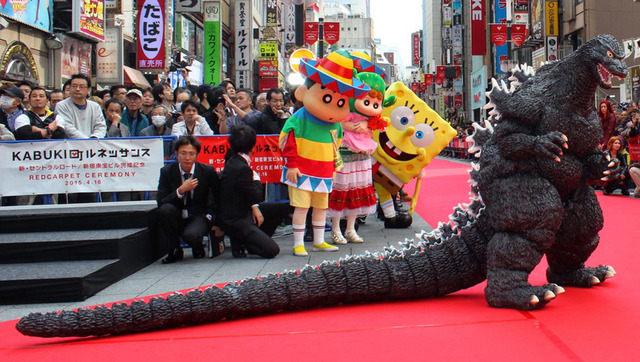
(393, 151)
(605, 75)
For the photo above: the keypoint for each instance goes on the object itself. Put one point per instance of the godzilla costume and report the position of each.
(531, 198)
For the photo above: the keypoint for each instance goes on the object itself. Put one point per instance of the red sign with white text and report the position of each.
(499, 34)
(518, 34)
(478, 28)
(331, 32)
(415, 37)
(457, 100)
(310, 33)
(151, 35)
(428, 79)
(634, 148)
(266, 159)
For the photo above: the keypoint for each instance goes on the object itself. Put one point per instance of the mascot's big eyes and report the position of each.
(327, 98)
(366, 103)
(424, 135)
(402, 117)
(376, 105)
(341, 103)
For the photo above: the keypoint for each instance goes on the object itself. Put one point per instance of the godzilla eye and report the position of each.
(402, 117)
(424, 135)
(610, 54)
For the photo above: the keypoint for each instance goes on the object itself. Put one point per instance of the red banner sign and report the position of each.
(331, 32)
(499, 34)
(151, 35)
(440, 69)
(415, 87)
(478, 28)
(428, 79)
(634, 148)
(266, 159)
(518, 34)
(423, 87)
(310, 33)
(457, 100)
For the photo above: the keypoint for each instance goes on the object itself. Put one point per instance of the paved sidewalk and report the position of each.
(192, 273)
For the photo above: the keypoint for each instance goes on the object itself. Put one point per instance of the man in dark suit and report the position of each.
(248, 222)
(187, 192)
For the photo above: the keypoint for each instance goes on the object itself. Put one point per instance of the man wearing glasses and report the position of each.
(82, 118)
(187, 195)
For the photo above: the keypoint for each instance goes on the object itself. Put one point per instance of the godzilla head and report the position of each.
(608, 56)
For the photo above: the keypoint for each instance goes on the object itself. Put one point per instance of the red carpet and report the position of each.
(580, 325)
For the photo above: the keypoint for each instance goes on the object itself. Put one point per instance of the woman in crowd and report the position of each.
(608, 121)
(163, 94)
(615, 151)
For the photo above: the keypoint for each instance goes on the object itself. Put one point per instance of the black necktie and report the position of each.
(187, 196)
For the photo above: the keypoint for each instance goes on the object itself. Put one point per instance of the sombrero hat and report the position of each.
(336, 73)
(362, 63)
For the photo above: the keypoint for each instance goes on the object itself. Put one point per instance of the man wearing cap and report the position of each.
(310, 139)
(12, 113)
(83, 118)
(132, 117)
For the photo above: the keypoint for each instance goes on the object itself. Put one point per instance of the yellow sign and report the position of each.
(296, 56)
(268, 49)
(551, 13)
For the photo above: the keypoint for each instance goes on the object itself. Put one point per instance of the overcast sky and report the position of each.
(394, 21)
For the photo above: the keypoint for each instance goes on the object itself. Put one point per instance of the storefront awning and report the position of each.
(135, 77)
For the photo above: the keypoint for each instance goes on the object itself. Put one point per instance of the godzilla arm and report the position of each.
(516, 142)
(595, 164)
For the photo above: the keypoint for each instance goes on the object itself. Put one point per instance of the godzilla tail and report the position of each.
(447, 259)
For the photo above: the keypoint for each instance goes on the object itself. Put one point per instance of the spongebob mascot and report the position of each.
(416, 135)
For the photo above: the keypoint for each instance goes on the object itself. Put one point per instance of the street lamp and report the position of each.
(53, 42)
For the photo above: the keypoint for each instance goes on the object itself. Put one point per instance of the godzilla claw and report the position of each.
(524, 298)
(582, 277)
(534, 300)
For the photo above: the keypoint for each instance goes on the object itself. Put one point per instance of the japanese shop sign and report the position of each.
(272, 13)
(33, 13)
(500, 16)
(151, 35)
(88, 19)
(109, 57)
(268, 49)
(478, 28)
(266, 159)
(51, 167)
(189, 6)
(551, 18)
(415, 41)
(212, 43)
(268, 68)
(243, 35)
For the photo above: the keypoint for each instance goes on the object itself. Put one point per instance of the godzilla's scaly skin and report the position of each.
(530, 198)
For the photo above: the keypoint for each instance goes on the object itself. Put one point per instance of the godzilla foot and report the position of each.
(524, 298)
(583, 277)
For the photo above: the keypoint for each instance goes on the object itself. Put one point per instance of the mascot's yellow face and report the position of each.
(414, 137)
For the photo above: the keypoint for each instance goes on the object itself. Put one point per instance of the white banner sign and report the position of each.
(70, 166)
(109, 58)
(244, 28)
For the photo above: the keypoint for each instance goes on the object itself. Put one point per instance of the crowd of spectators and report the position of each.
(79, 111)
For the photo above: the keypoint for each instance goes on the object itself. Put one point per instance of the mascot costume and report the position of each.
(414, 137)
(531, 198)
(310, 140)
